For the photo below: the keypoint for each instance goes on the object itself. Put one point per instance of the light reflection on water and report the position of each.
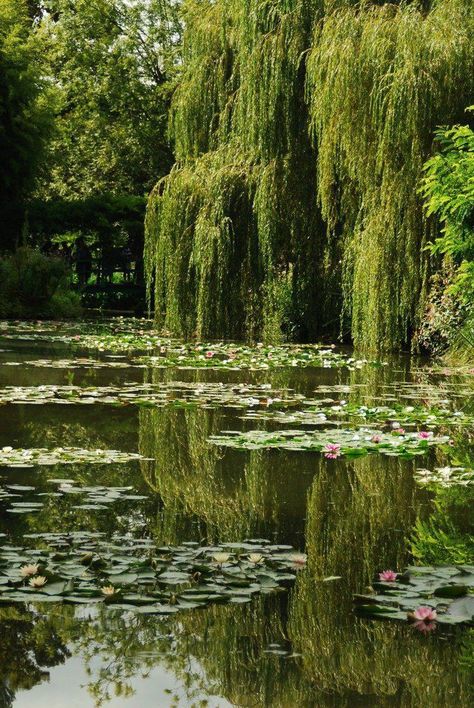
(301, 649)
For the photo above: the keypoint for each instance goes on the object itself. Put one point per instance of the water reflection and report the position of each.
(366, 663)
(229, 495)
(304, 648)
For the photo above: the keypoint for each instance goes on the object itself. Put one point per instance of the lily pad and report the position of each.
(446, 590)
(84, 567)
(333, 443)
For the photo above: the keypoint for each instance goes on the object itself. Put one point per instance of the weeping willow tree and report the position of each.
(301, 128)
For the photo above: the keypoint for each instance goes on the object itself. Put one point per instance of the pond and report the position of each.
(157, 551)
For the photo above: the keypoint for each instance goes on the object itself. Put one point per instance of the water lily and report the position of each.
(376, 439)
(425, 435)
(332, 451)
(398, 431)
(28, 570)
(209, 355)
(424, 627)
(388, 576)
(221, 558)
(7, 448)
(108, 590)
(423, 614)
(298, 560)
(38, 582)
(255, 557)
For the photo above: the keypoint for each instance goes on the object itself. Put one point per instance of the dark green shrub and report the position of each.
(35, 285)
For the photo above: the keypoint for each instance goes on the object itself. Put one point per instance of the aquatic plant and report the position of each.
(17, 457)
(135, 574)
(446, 589)
(333, 443)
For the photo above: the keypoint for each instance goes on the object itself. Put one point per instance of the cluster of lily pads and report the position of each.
(318, 412)
(129, 337)
(334, 443)
(430, 393)
(133, 574)
(75, 363)
(223, 355)
(426, 596)
(90, 498)
(445, 477)
(33, 329)
(18, 457)
(175, 393)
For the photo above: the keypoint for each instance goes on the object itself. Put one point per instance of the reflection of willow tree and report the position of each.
(372, 382)
(357, 522)
(30, 644)
(232, 495)
(229, 643)
(90, 427)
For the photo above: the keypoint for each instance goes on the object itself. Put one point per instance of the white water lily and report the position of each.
(255, 557)
(108, 590)
(38, 582)
(7, 448)
(28, 570)
(221, 558)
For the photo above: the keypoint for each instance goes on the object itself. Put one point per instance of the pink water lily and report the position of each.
(424, 614)
(376, 438)
(424, 627)
(209, 355)
(398, 431)
(425, 435)
(332, 451)
(388, 576)
(298, 560)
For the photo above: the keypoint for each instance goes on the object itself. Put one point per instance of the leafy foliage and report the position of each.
(299, 166)
(36, 285)
(111, 62)
(24, 117)
(448, 188)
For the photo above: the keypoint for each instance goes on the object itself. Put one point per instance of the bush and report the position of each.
(445, 314)
(35, 285)
(448, 189)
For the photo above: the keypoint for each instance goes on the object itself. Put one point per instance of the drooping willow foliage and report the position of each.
(301, 128)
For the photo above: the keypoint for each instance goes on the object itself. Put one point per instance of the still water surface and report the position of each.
(302, 648)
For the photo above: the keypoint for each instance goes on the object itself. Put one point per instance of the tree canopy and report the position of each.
(24, 116)
(111, 63)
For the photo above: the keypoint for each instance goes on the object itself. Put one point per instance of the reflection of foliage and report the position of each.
(447, 537)
(371, 511)
(467, 656)
(30, 643)
(372, 506)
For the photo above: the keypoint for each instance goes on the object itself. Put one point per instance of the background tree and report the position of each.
(24, 117)
(111, 63)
